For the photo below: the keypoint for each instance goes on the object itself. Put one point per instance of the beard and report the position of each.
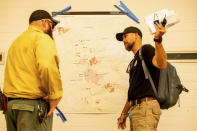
(50, 32)
(129, 47)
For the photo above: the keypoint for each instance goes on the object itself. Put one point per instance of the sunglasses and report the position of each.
(51, 22)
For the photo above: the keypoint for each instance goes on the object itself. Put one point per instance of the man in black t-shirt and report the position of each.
(144, 108)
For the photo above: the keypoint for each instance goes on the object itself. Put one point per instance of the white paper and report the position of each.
(171, 17)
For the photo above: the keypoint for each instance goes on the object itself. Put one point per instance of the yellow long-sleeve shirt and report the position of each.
(32, 67)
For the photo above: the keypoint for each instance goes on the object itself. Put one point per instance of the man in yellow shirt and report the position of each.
(32, 82)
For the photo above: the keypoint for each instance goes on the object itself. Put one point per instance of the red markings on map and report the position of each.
(62, 30)
(93, 61)
(97, 101)
(91, 76)
(112, 90)
(108, 85)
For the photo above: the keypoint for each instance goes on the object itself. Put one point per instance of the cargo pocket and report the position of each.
(22, 107)
(27, 118)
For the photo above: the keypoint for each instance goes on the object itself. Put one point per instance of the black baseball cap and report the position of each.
(42, 14)
(130, 29)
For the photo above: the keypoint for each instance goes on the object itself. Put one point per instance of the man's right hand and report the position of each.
(122, 121)
(53, 103)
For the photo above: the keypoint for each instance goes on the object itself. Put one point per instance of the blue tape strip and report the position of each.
(61, 115)
(127, 10)
(62, 11)
(126, 14)
(121, 10)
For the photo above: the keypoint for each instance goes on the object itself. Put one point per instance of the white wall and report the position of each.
(14, 15)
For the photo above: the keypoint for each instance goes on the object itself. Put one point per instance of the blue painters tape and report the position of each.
(62, 11)
(61, 115)
(127, 12)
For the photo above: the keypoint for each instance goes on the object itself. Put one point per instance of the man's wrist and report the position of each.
(158, 40)
(124, 114)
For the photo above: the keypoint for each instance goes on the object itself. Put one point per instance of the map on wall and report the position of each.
(92, 63)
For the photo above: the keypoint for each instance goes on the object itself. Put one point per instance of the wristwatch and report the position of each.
(159, 40)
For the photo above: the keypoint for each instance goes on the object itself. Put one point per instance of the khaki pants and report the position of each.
(145, 116)
(22, 115)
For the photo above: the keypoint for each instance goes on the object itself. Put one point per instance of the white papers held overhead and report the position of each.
(171, 17)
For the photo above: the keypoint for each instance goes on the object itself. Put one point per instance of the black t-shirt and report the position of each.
(139, 86)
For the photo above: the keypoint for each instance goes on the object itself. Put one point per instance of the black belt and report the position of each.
(139, 101)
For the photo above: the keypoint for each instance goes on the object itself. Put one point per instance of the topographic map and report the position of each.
(92, 64)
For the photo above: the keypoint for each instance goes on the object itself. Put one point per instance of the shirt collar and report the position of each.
(35, 28)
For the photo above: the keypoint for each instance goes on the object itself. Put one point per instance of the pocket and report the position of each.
(138, 111)
(156, 109)
(23, 107)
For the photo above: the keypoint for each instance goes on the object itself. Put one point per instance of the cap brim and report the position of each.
(55, 22)
(119, 36)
